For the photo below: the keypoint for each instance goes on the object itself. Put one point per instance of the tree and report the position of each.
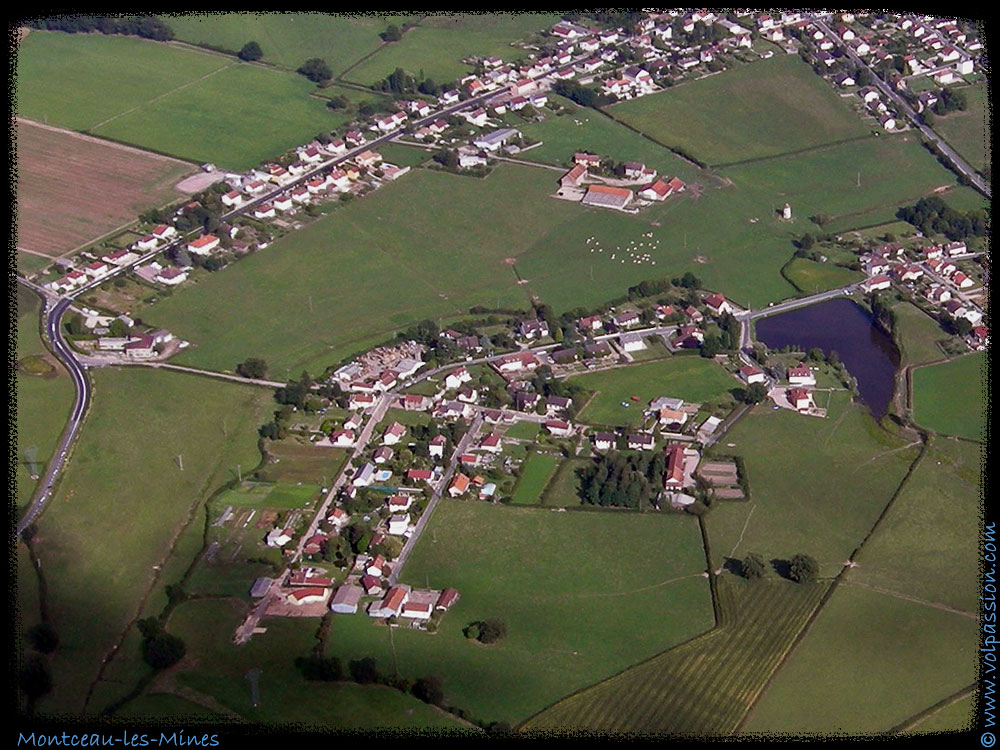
(43, 638)
(251, 51)
(429, 689)
(392, 34)
(803, 569)
(76, 325)
(492, 630)
(756, 393)
(338, 102)
(163, 650)
(752, 566)
(364, 671)
(711, 346)
(34, 679)
(316, 70)
(118, 328)
(253, 367)
(807, 242)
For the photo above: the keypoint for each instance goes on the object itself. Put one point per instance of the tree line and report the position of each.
(147, 27)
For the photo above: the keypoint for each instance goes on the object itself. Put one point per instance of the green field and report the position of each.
(216, 669)
(926, 547)
(771, 107)
(124, 487)
(564, 489)
(812, 277)
(951, 397)
(165, 706)
(28, 263)
(302, 463)
(563, 591)
(288, 39)
(189, 104)
(535, 475)
(523, 430)
(868, 663)
(968, 132)
(43, 401)
(918, 334)
(278, 497)
(435, 49)
(694, 379)
(593, 131)
(818, 484)
(705, 686)
(955, 716)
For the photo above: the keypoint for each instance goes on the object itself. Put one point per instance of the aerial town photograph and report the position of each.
(499, 375)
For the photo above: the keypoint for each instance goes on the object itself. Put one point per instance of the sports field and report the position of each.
(71, 189)
(44, 398)
(194, 105)
(968, 132)
(436, 47)
(770, 107)
(812, 277)
(559, 582)
(705, 686)
(893, 658)
(216, 672)
(694, 379)
(287, 39)
(124, 485)
(950, 397)
(818, 484)
(926, 547)
(535, 475)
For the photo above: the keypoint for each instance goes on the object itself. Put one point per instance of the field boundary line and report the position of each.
(105, 141)
(922, 716)
(92, 128)
(680, 154)
(915, 600)
(620, 593)
(38, 253)
(799, 152)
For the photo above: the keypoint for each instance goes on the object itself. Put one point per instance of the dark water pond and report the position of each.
(842, 326)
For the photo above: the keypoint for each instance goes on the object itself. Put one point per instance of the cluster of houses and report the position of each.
(97, 269)
(933, 271)
(579, 183)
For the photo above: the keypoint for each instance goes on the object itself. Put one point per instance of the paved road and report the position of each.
(957, 161)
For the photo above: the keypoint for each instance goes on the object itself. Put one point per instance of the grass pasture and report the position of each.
(287, 39)
(694, 379)
(124, 484)
(536, 473)
(772, 107)
(968, 132)
(811, 277)
(194, 105)
(950, 397)
(875, 682)
(216, 668)
(918, 335)
(564, 488)
(302, 463)
(436, 47)
(705, 686)
(818, 484)
(953, 717)
(43, 401)
(926, 547)
(71, 189)
(563, 592)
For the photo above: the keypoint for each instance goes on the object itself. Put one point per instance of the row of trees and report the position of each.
(801, 568)
(582, 95)
(147, 27)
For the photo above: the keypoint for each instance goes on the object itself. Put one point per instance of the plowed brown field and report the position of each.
(73, 188)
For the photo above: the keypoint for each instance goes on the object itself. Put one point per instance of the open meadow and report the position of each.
(559, 582)
(818, 484)
(214, 672)
(194, 105)
(704, 686)
(125, 483)
(536, 473)
(72, 189)
(44, 398)
(436, 47)
(869, 662)
(811, 277)
(694, 379)
(950, 397)
(287, 39)
(968, 132)
(766, 108)
(918, 335)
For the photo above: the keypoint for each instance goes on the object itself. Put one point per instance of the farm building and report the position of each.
(607, 197)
